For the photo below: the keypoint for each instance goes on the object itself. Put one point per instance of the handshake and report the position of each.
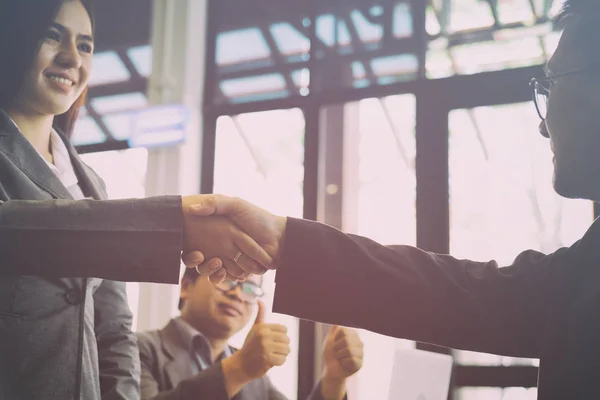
(230, 237)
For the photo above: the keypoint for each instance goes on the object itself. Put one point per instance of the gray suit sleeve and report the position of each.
(274, 394)
(206, 385)
(124, 240)
(148, 365)
(118, 358)
(316, 393)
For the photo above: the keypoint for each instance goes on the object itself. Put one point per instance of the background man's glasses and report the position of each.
(250, 292)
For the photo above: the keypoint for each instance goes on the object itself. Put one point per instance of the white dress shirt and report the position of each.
(62, 167)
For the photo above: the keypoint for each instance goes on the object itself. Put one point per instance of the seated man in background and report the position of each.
(191, 359)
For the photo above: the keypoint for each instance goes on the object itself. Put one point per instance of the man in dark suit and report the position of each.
(190, 358)
(544, 306)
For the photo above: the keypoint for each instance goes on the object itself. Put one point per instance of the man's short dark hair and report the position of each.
(572, 7)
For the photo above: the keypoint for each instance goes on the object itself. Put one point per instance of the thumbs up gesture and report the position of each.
(342, 353)
(266, 346)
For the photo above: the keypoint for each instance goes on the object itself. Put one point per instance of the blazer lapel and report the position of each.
(180, 365)
(22, 154)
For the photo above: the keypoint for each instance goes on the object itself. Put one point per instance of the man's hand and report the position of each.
(266, 346)
(217, 236)
(266, 229)
(211, 268)
(342, 358)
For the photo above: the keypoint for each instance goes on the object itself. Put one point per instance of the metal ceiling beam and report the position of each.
(493, 4)
(483, 35)
(358, 44)
(446, 16)
(471, 115)
(111, 89)
(133, 72)
(387, 22)
(278, 58)
(247, 14)
(486, 88)
(91, 112)
(547, 7)
(533, 9)
(420, 36)
(401, 46)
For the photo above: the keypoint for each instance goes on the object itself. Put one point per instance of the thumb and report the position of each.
(331, 334)
(260, 315)
(216, 204)
(202, 205)
(333, 330)
(338, 331)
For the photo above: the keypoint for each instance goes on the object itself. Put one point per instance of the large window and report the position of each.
(501, 172)
(375, 80)
(379, 203)
(117, 89)
(260, 157)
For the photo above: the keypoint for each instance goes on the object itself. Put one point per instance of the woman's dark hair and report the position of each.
(23, 26)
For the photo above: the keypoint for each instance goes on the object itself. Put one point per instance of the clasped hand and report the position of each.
(225, 236)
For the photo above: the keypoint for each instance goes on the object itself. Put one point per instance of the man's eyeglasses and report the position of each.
(541, 89)
(250, 291)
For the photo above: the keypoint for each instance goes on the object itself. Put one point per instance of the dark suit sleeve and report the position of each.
(118, 358)
(208, 384)
(124, 240)
(405, 292)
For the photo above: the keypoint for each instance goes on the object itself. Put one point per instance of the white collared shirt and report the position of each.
(62, 167)
(198, 346)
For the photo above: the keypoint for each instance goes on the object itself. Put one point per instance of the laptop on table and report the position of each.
(420, 375)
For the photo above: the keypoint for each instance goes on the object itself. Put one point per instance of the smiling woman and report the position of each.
(50, 87)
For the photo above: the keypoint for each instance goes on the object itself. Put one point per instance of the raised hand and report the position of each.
(266, 346)
(267, 229)
(216, 236)
(342, 358)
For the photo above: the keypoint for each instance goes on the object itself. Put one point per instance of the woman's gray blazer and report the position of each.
(65, 326)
